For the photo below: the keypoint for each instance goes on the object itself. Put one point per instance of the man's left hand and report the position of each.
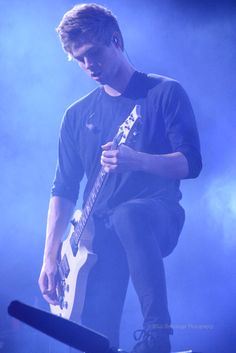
(123, 159)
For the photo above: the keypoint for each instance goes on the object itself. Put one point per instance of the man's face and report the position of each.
(99, 61)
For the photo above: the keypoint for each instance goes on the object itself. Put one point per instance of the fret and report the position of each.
(93, 196)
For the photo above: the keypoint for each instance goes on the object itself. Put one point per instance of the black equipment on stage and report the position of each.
(63, 330)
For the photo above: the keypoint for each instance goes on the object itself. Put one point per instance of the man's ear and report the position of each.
(116, 41)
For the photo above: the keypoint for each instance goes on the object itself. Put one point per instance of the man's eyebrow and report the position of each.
(87, 51)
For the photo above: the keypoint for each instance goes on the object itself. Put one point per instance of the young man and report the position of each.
(137, 218)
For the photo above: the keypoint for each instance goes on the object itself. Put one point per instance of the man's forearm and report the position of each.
(59, 214)
(173, 165)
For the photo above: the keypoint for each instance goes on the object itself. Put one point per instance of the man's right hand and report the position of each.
(59, 214)
(47, 282)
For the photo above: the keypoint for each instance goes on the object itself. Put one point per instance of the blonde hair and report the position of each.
(92, 22)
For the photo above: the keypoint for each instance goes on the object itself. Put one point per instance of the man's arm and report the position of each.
(59, 214)
(172, 165)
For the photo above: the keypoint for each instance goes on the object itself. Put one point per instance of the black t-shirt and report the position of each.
(168, 125)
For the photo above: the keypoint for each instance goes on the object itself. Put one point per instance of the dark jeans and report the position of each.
(141, 233)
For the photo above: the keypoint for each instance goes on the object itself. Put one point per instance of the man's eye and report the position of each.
(92, 54)
(80, 60)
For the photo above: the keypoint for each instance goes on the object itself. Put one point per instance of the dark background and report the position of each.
(192, 41)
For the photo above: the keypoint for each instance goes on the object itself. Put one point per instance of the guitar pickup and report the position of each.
(65, 266)
(73, 244)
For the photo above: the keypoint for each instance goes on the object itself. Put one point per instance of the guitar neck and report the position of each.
(88, 207)
(100, 181)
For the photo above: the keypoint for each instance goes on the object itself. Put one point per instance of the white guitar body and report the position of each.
(76, 255)
(73, 288)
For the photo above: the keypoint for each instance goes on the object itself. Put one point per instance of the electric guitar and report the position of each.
(76, 256)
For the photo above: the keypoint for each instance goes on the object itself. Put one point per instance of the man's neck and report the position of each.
(120, 81)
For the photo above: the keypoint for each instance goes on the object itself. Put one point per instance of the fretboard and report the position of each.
(88, 207)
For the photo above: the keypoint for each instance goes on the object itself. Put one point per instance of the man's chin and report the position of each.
(99, 79)
(96, 75)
